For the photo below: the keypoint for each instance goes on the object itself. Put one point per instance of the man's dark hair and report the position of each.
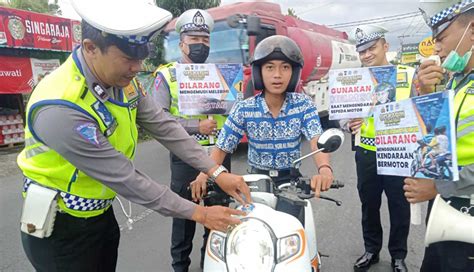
(95, 35)
(466, 17)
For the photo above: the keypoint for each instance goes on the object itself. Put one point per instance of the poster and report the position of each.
(42, 68)
(416, 137)
(353, 93)
(208, 88)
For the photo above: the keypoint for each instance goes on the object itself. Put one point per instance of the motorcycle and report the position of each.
(442, 168)
(268, 239)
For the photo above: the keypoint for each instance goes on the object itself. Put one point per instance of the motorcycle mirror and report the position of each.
(330, 140)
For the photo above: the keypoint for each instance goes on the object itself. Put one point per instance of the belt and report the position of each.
(74, 202)
(270, 173)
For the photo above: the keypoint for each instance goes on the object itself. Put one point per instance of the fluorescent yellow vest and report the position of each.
(168, 72)
(464, 114)
(67, 86)
(367, 131)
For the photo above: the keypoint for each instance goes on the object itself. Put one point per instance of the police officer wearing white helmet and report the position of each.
(194, 27)
(372, 48)
(81, 138)
(451, 248)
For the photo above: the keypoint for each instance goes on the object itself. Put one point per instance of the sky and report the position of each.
(328, 12)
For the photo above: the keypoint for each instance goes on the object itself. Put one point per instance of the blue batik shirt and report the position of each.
(273, 142)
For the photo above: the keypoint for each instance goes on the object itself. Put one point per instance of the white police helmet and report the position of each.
(196, 22)
(439, 14)
(131, 24)
(365, 36)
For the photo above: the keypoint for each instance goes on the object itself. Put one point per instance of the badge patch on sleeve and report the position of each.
(88, 131)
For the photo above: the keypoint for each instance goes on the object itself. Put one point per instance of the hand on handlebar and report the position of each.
(322, 182)
(198, 187)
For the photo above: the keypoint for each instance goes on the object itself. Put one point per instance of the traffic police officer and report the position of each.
(372, 48)
(194, 27)
(452, 24)
(81, 138)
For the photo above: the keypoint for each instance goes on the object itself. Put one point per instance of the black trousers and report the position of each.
(449, 256)
(76, 244)
(370, 187)
(182, 174)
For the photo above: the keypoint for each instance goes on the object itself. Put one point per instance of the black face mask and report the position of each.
(198, 52)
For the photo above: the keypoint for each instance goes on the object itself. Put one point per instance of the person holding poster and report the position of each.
(274, 121)
(81, 140)
(194, 27)
(372, 48)
(452, 24)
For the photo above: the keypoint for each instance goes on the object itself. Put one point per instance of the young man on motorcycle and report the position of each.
(274, 121)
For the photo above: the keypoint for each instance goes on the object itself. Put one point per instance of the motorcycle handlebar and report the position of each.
(336, 184)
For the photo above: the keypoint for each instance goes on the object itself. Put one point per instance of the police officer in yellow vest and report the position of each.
(372, 48)
(81, 138)
(452, 24)
(194, 27)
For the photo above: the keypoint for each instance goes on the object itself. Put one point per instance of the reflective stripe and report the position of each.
(74, 202)
(367, 141)
(466, 120)
(463, 132)
(36, 151)
(30, 141)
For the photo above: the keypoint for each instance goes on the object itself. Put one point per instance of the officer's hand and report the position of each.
(217, 217)
(234, 186)
(419, 190)
(429, 75)
(355, 124)
(322, 182)
(198, 187)
(207, 127)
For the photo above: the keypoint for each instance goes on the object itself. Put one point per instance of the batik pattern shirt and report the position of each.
(273, 143)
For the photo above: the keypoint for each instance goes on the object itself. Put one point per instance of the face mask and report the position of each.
(198, 52)
(454, 62)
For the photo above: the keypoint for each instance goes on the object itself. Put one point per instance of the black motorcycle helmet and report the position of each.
(277, 47)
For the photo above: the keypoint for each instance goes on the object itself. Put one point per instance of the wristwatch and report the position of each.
(217, 172)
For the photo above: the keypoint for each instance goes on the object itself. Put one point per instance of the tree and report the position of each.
(176, 8)
(40, 6)
(292, 12)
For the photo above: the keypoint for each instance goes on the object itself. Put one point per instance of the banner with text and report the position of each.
(20, 75)
(416, 137)
(353, 93)
(208, 88)
(24, 29)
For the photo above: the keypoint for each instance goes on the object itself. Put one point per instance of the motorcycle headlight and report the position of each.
(288, 247)
(250, 247)
(217, 245)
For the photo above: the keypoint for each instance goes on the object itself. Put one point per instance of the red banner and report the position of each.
(16, 75)
(23, 29)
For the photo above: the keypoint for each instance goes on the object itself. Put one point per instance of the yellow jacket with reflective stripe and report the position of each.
(168, 71)
(464, 114)
(403, 92)
(67, 86)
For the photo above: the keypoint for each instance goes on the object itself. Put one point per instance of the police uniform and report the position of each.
(371, 185)
(193, 22)
(80, 141)
(455, 256)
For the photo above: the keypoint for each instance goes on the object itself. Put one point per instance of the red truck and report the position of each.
(239, 27)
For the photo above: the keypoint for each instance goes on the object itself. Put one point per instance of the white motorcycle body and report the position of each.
(267, 239)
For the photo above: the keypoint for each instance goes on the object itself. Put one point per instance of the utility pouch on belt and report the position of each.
(39, 211)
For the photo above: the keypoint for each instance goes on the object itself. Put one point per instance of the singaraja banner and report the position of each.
(23, 29)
